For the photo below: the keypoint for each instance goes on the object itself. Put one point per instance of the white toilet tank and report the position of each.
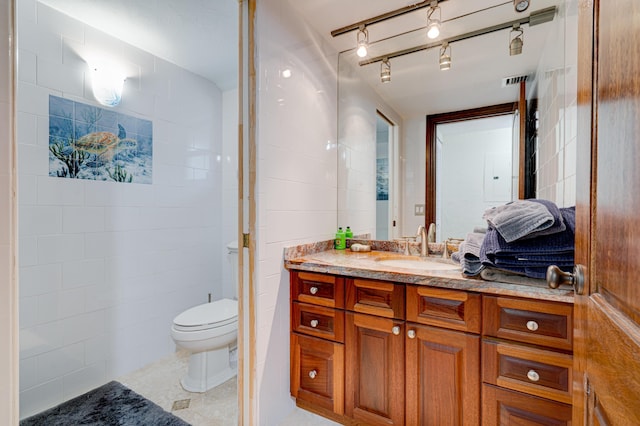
(232, 249)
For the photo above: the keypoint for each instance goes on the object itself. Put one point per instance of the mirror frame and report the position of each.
(452, 117)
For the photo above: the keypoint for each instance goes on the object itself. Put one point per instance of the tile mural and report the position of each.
(89, 142)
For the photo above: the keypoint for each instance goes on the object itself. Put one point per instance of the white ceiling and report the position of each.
(201, 35)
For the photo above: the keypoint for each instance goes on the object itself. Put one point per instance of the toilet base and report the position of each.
(207, 370)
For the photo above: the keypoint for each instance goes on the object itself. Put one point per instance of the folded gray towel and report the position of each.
(468, 254)
(493, 274)
(519, 218)
(472, 245)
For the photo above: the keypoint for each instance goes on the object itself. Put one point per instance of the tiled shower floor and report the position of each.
(159, 382)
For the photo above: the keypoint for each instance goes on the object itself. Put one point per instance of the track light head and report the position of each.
(385, 71)
(521, 5)
(362, 39)
(515, 43)
(433, 23)
(445, 57)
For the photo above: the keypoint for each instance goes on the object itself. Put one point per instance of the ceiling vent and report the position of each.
(516, 79)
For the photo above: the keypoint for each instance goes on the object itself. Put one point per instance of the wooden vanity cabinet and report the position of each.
(374, 386)
(317, 341)
(527, 361)
(370, 352)
(442, 357)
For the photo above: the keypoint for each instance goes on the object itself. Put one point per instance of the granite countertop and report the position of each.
(320, 257)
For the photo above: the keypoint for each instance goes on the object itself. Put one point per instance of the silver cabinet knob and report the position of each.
(313, 290)
(313, 374)
(411, 334)
(532, 325)
(395, 330)
(314, 323)
(533, 375)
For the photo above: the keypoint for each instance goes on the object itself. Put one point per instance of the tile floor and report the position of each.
(159, 382)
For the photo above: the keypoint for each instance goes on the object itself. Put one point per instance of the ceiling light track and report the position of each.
(384, 17)
(538, 17)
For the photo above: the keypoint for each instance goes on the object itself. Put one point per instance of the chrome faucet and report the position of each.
(424, 244)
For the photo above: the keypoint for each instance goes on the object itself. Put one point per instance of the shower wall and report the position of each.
(105, 266)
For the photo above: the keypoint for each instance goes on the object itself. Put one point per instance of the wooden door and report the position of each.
(374, 370)
(442, 376)
(607, 333)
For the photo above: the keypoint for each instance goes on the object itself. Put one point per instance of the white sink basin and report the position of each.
(424, 264)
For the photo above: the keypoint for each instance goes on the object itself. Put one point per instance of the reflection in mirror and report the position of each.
(385, 177)
(418, 88)
(474, 171)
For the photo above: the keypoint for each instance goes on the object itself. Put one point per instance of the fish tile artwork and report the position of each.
(89, 142)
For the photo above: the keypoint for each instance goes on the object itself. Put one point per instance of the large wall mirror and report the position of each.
(484, 72)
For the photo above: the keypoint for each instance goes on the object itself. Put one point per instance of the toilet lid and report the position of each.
(214, 314)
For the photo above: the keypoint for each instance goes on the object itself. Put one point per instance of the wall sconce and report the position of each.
(107, 83)
(520, 5)
(445, 56)
(362, 39)
(515, 43)
(433, 24)
(385, 71)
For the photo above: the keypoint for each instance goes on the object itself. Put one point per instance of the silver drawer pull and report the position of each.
(314, 323)
(313, 290)
(313, 374)
(411, 334)
(395, 330)
(532, 325)
(533, 376)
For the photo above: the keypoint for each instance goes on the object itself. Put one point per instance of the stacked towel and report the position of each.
(532, 252)
(468, 254)
(525, 219)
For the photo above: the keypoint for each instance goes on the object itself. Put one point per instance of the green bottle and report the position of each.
(341, 240)
(348, 232)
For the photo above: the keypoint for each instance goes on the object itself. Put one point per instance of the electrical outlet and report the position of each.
(419, 209)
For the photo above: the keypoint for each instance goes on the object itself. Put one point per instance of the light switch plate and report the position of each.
(419, 209)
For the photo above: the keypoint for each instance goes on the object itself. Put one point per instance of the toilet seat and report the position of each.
(207, 316)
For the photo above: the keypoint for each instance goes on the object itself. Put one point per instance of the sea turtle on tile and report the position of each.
(104, 144)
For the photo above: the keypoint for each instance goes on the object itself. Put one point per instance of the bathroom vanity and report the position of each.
(378, 342)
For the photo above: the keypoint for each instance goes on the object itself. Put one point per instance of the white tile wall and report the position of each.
(557, 100)
(106, 266)
(296, 118)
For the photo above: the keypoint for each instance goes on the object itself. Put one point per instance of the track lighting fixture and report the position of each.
(445, 56)
(385, 71)
(433, 23)
(515, 43)
(363, 41)
(521, 5)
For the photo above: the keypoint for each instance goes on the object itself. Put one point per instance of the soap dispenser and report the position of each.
(341, 240)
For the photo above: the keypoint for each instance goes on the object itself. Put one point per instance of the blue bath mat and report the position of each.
(110, 404)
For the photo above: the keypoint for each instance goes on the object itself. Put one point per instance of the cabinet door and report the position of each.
(443, 377)
(317, 374)
(374, 367)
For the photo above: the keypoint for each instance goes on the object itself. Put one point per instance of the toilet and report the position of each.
(209, 332)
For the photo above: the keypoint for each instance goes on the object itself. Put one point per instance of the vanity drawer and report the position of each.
(319, 321)
(507, 407)
(317, 372)
(380, 298)
(457, 310)
(530, 321)
(317, 289)
(530, 370)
